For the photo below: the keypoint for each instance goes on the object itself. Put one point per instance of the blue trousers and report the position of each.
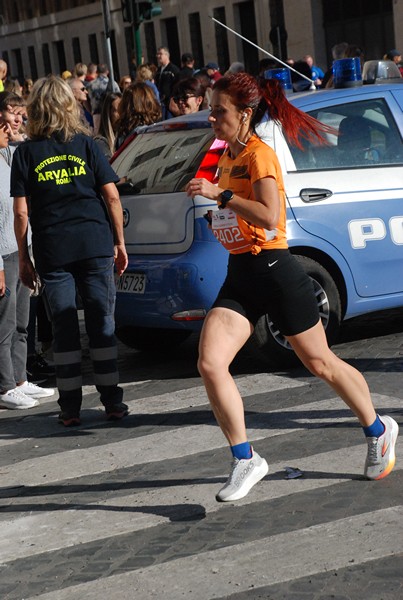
(93, 279)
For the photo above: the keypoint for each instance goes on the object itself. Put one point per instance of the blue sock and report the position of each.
(376, 429)
(242, 451)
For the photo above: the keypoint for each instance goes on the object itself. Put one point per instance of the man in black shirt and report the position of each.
(165, 78)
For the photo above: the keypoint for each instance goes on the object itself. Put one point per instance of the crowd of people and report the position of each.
(61, 233)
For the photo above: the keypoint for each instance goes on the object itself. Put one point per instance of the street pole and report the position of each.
(137, 42)
(107, 29)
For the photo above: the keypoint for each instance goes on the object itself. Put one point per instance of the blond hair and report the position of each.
(80, 69)
(144, 73)
(53, 109)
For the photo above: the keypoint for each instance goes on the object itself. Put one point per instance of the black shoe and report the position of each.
(37, 366)
(115, 412)
(69, 419)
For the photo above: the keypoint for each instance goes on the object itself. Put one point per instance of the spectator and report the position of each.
(14, 86)
(77, 224)
(3, 73)
(317, 73)
(208, 88)
(338, 52)
(97, 90)
(106, 137)
(187, 96)
(124, 82)
(133, 66)
(213, 71)
(91, 73)
(139, 106)
(145, 75)
(9, 113)
(396, 57)
(300, 84)
(166, 77)
(265, 64)
(15, 391)
(80, 93)
(66, 75)
(235, 67)
(26, 88)
(80, 71)
(187, 66)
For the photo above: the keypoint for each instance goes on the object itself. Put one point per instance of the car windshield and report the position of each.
(163, 162)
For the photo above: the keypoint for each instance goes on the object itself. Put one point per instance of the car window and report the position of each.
(163, 162)
(367, 136)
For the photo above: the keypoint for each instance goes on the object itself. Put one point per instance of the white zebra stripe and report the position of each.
(43, 532)
(359, 539)
(168, 402)
(176, 443)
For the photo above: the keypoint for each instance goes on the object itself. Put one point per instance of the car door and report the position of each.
(350, 192)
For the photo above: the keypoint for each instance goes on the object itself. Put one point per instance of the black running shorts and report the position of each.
(274, 283)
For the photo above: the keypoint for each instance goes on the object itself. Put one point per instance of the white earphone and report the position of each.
(244, 115)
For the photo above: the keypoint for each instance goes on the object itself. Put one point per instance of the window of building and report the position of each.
(18, 64)
(368, 23)
(221, 39)
(61, 55)
(171, 39)
(93, 44)
(151, 46)
(47, 64)
(75, 42)
(32, 63)
(196, 39)
(246, 24)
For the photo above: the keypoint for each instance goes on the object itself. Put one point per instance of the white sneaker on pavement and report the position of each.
(244, 475)
(15, 399)
(34, 391)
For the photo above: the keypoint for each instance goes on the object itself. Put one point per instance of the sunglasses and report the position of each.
(183, 98)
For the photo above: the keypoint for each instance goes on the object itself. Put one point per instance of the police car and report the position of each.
(344, 219)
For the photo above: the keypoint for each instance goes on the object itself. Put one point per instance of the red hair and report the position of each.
(267, 94)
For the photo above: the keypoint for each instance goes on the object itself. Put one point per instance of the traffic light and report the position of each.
(148, 10)
(136, 12)
(127, 10)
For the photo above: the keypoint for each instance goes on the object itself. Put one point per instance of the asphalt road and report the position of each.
(127, 510)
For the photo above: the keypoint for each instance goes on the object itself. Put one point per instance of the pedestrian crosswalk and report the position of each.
(128, 510)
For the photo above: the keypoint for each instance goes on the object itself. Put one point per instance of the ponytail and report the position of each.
(296, 124)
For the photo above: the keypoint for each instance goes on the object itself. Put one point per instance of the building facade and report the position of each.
(43, 36)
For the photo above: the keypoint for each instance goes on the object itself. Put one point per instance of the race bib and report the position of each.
(226, 229)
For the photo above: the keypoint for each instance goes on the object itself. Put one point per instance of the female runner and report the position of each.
(264, 277)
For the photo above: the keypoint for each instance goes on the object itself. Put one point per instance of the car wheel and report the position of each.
(155, 340)
(269, 345)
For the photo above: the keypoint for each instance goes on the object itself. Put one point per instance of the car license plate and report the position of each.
(131, 283)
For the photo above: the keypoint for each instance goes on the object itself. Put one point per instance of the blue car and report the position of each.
(344, 219)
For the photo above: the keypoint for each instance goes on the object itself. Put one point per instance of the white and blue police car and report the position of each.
(344, 217)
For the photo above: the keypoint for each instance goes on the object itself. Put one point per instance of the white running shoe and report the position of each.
(244, 475)
(381, 451)
(15, 399)
(34, 391)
